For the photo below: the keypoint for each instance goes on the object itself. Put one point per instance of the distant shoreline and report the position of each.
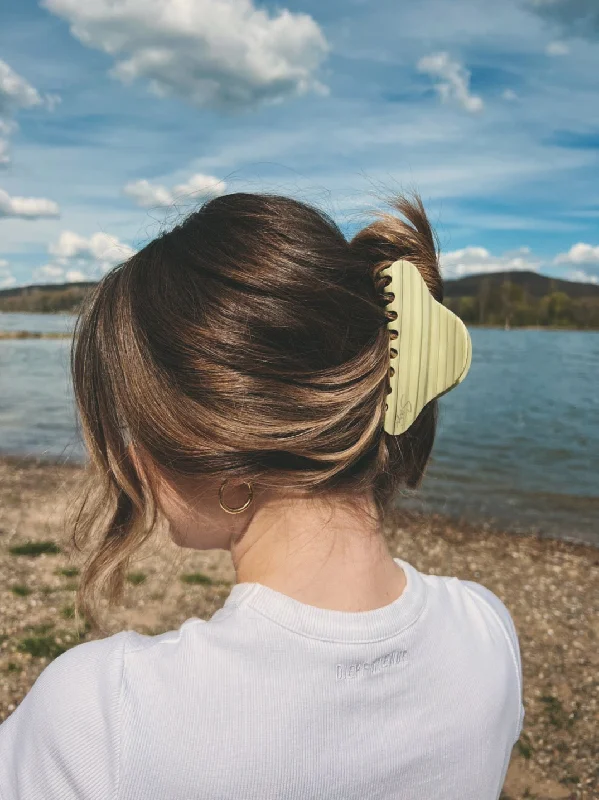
(46, 464)
(34, 335)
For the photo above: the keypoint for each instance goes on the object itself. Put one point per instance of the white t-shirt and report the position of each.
(272, 698)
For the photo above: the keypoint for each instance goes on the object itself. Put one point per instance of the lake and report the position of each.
(517, 442)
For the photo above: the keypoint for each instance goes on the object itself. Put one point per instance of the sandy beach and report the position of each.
(550, 588)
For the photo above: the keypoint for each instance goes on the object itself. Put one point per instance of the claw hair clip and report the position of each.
(431, 349)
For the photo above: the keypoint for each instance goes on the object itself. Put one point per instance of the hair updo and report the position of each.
(249, 342)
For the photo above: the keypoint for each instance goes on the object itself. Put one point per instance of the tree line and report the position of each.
(508, 304)
(67, 300)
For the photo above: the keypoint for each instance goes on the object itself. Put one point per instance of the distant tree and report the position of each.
(557, 309)
(49, 301)
(484, 290)
(467, 309)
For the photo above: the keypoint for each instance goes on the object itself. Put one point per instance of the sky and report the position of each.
(118, 117)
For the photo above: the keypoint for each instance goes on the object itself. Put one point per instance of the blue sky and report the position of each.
(119, 116)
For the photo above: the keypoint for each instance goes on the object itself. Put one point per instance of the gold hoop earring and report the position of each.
(239, 509)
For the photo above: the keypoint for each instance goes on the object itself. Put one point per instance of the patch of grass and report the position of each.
(196, 577)
(570, 779)
(12, 667)
(524, 747)
(68, 612)
(48, 589)
(43, 627)
(70, 587)
(68, 572)
(41, 646)
(136, 577)
(34, 548)
(557, 716)
(20, 590)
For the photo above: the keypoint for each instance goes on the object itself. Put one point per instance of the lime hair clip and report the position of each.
(431, 353)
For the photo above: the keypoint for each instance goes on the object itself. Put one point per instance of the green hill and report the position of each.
(45, 297)
(521, 299)
(533, 283)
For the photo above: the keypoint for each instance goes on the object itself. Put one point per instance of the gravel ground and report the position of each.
(551, 589)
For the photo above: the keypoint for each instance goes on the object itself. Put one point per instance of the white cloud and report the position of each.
(75, 275)
(509, 94)
(149, 195)
(49, 273)
(16, 93)
(6, 277)
(27, 207)
(52, 273)
(472, 260)
(101, 248)
(454, 83)
(582, 276)
(77, 258)
(578, 254)
(557, 49)
(220, 53)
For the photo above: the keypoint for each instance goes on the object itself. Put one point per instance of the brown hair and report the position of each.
(249, 342)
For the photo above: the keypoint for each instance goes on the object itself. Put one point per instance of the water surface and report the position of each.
(517, 443)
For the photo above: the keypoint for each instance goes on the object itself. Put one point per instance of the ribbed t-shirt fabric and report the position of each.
(275, 699)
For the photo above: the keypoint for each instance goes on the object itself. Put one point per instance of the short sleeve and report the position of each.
(63, 740)
(509, 628)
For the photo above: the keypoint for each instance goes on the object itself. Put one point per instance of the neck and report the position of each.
(321, 554)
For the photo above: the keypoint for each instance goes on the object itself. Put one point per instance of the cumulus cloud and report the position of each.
(52, 273)
(578, 254)
(219, 53)
(453, 80)
(584, 262)
(6, 277)
(578, 17)
(27, 207)
(581, 276)
(473, 260)
(77, 258)
(557, 49)
(101, 248)
(16, 93)
(152, 195)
